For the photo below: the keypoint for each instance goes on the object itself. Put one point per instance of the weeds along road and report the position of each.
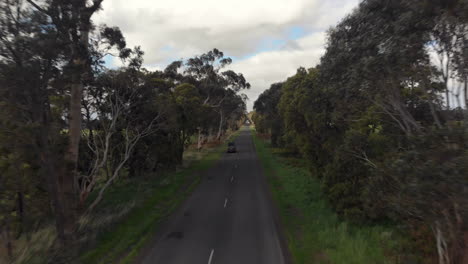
(228, 219)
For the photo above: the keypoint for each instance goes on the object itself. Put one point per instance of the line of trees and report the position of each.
(380, 120)
(70, 127)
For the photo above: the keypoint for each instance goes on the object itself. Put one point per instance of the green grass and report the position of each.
(156, 200)
(314, 232)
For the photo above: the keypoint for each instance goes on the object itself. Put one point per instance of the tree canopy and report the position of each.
(379, 121)
(70, 127)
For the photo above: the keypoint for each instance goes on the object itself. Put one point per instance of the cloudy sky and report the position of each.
(267, 39)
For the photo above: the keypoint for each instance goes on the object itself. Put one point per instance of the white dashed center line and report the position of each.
(211, 256)
(225, 202)
(232, 178)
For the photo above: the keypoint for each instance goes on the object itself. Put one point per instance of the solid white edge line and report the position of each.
(211, 256)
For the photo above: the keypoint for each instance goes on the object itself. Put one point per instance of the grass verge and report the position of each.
(313, 231)
(121, 242)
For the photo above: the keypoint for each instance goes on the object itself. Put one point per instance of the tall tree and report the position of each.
(215, 85)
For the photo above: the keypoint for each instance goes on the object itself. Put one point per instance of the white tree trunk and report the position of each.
(220, 127)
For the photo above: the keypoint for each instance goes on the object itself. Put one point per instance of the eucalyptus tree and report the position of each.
(123, 125)
(267, 106)
(231, 110)
(373, 121)
(29, 93)
(50, 50)
(381, 55)
(72, 25)
(214, 84)
(449, 45)
(189, 111)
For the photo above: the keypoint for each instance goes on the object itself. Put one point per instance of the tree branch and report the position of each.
(39, 8)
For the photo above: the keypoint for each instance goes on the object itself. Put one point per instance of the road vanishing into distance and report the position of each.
(228, 219)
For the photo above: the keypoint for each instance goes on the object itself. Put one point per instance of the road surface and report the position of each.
(227, 220)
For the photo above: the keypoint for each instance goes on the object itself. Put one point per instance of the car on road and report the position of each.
(231, 148)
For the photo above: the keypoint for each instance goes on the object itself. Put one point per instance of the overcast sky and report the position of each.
(267, 39)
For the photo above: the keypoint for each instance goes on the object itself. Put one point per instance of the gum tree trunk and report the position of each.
(220, 127)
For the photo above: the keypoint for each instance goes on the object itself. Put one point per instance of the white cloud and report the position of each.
(266, 68)
(171, 30)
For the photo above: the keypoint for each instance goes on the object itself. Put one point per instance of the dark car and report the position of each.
(231, 147)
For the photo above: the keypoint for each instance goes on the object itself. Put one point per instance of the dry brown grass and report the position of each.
(33, 250)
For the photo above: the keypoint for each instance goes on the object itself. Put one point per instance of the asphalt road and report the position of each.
(227, 220)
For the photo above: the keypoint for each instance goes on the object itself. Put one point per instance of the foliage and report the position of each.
(70, 128)
(372, 122)
(315, 233)
(267, 117)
